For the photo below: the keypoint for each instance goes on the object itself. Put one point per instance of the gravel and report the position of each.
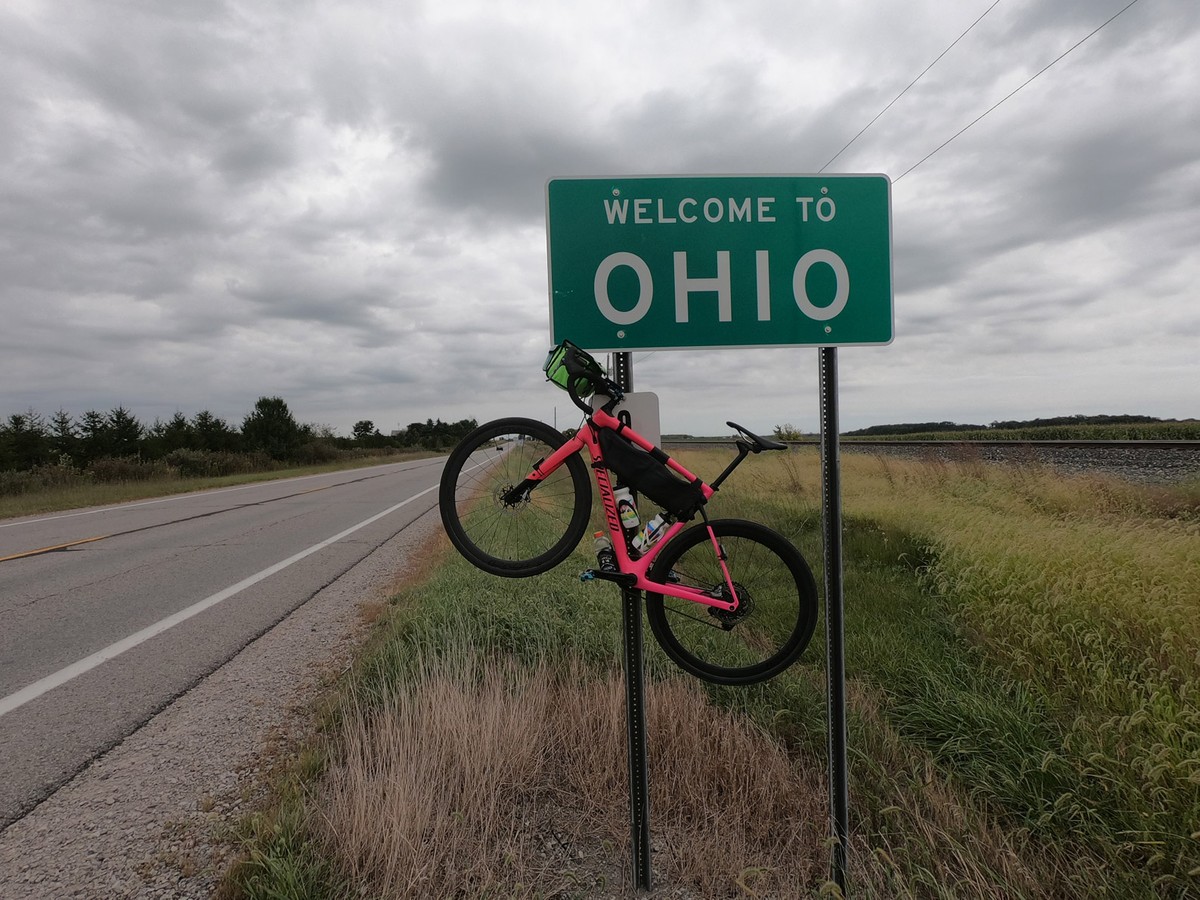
(1147, 464)
(153, 817)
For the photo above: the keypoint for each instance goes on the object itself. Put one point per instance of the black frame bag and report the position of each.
(641, 472)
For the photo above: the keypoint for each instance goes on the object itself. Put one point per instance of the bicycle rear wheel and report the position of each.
(516, 538)
(777, 596)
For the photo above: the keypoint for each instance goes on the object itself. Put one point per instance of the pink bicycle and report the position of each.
(728, 600)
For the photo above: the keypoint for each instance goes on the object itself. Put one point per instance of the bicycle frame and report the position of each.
(638, 568)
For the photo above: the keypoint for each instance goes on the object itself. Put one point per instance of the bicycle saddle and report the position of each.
(757, 444)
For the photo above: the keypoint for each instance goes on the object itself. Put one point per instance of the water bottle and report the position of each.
(625, 509)
(606, 558)
(651, 533)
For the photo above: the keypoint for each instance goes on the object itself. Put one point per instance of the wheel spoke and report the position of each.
(776, 611)
(514, 539)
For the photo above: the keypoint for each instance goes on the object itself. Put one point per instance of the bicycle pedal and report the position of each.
(621, 578)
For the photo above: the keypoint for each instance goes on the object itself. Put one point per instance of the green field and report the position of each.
(1022, 653)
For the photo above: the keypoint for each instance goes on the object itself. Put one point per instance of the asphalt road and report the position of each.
(108, 614)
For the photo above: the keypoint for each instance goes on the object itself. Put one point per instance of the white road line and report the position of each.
(62, 676)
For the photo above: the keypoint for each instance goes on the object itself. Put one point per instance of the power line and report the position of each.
(1012, 92)
(905, 91)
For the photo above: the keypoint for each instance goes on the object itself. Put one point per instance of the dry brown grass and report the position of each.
(490, 780)
(485, 777)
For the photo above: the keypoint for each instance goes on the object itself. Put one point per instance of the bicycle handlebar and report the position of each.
(580, 370)
(581, 367)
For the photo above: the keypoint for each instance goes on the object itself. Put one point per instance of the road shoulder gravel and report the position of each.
(153, 817)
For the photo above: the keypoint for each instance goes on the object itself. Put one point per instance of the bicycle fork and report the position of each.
(722, 559)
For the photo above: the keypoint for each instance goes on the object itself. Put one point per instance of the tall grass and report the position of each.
(1022, 660)
(1084, 594)
(481, 776)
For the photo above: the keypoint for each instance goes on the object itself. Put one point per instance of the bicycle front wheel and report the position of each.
(510, 537)
(776, 593)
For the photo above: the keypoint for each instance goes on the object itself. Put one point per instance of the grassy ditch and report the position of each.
(1022, 654)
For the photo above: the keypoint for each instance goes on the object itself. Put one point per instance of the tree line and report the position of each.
(1060, 421)
(268, 435)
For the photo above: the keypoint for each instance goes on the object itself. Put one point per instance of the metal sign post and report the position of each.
(635, 700)
(831, 520)
(635, 714)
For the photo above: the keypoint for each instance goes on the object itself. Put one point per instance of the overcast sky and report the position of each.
(343, 203)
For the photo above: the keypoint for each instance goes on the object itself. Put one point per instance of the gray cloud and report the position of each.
(343, 204)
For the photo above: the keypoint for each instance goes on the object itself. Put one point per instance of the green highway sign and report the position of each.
(645, 263)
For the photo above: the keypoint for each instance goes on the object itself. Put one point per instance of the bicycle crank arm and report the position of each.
(621, 578)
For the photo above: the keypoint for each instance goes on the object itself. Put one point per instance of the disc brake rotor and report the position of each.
(504, 505)
(731, 617)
